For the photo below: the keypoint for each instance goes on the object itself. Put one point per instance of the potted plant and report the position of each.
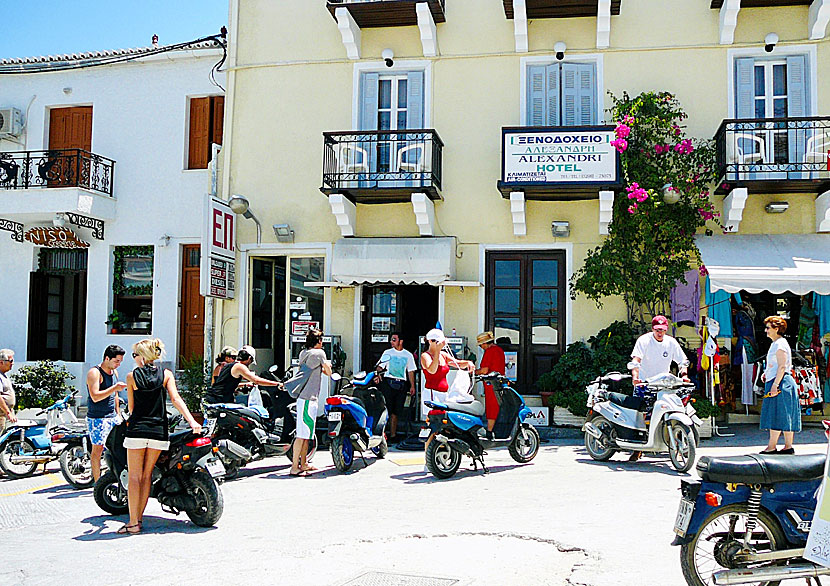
(41, 384)
(114, 320)
(194, 379)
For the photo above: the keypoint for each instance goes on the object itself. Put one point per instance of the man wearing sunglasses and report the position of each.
(7, 398)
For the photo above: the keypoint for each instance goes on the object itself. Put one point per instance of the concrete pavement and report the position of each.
(562, 519)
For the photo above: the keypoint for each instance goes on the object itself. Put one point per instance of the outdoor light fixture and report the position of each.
(560, 229)
(239, 204)
(670, 194)
(776, 207)
(284, 233)
(387, 55)
(59, 221)
(770, 41)
(560, 47)
(164, 240)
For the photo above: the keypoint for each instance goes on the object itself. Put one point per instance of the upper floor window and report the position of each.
(392, 102)
(562, 94)
(771, 88)
(206, 118)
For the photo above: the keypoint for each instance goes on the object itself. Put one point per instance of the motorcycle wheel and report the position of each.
(76, 467)
(381, 449)
(109, 495)
(523, 450)
(312, 449)
(720, 536)
(683, 456)
(209, 500)
(596, 448)
(342, 452)
(15, 447)
(442, 461)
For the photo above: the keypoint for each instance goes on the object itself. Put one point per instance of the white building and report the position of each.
(103, 176)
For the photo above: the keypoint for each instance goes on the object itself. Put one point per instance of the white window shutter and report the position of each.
(536, 96)
(579, 94)
(797, 106)
(369, 101)
(552, 73)
(745, 87)
(415, 99)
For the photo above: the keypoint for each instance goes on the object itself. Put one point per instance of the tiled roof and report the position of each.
(91, 55)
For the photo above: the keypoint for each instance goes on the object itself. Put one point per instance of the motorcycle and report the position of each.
(58, 436)
(747, 520)
(184, 478)
(247, 433)
(658, 418)
(455, 430)
(356, 420)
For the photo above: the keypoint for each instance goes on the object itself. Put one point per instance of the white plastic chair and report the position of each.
(738, 154)
(352, 159)
(416, 166)
(817, 151)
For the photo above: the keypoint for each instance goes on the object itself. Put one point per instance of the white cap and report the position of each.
(250, 350)
(435, 335)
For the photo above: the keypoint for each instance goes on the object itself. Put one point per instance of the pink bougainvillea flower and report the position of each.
(632, 208)
(622, 130)
(620, 144)
(703, 271)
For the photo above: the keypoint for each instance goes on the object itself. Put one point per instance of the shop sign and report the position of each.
(380, 338)
(218, 266)
(296, 305)
(538, 416)
(511, 360)
(300, 328)
(559, 155)
(54, 237)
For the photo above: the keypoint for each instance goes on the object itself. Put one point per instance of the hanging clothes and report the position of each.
(821, 304)
(806, 323)
(745, 331)
(685, 299)
(747, 380)
(720, 308)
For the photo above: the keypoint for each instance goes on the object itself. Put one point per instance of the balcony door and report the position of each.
(562, 94)
(69, 128)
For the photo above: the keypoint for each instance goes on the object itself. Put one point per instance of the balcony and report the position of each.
(382, 13)
(559, 162)
(382, 166)
(34, 185)
(560, 8)
(774, 155)
(717, 4)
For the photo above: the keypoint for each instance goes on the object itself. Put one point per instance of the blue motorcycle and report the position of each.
(356, 420)
(747, 520)
(457, 430)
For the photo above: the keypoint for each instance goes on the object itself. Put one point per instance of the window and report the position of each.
(562, 94)
(206, 118)
(132, 289)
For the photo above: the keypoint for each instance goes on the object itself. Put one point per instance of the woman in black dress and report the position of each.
(148, 387)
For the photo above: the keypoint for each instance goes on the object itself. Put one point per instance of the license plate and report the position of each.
(684, 517)
(215, 468)
(208, 426)
(424, 433)
(335, 416)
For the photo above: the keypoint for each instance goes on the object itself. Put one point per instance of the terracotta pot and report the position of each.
(113, 330)
(546, 395)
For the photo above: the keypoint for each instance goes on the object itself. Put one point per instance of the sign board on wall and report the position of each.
(573, 156)
(300, 328)
(538, 416)
(218, 266)
(54, 237)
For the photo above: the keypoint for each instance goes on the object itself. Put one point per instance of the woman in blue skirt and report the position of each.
(780, 411)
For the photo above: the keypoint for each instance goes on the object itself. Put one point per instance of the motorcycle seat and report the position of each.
(761, 468)
(254, 411)
(30, 422)
(625, 401)
(473, 408)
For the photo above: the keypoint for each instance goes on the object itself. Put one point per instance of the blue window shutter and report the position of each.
(745, 87)
(536, 96)
(415, 99)
(797, 106)
(579, 91)
(369, 101)
(552, 73)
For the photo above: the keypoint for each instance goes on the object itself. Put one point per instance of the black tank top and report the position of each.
(104, 407)
(223, 389)
(149, 417)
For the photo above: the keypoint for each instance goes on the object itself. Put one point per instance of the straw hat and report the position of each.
(484, 337)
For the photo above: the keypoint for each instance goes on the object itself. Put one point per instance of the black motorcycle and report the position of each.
(184, 478)
(76, 466)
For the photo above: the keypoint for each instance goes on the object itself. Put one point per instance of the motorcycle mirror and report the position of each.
(335, 376)
(274, 368)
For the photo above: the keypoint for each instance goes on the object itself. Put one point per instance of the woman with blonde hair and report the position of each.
(780, 410)
(148, 387)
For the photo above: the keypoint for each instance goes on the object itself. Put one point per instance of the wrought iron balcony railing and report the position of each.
(56, 168)
(382, 165)
(793, 153)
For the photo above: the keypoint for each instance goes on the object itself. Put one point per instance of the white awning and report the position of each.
(799, 263)
(406, 261)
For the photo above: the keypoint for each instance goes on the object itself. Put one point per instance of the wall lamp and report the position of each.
(670, 194)
(388, 56)
(283, 232)
(776, 207)
(560, 47)
(770, 41)
(560, 229)
(239, 204)
(59, 221)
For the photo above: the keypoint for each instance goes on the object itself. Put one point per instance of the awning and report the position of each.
(799, 263)
(405, 261)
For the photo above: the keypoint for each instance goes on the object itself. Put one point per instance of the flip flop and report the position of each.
(300, 473)
(310, 469)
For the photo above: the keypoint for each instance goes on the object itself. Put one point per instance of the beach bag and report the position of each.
(298, 382)
(459, 390)
(807, 385)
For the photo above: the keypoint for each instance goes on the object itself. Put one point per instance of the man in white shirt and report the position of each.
(7, 398)
(400, 374)
(654, 352)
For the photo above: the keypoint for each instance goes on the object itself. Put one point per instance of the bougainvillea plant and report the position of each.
(651, 238)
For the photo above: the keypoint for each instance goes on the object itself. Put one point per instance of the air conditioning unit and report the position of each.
(11, 122)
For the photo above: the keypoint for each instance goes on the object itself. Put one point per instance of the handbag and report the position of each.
(298, 382)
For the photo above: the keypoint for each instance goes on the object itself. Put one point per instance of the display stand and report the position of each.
(710, 385)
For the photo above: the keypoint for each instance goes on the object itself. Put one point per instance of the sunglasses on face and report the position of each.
(135, 355)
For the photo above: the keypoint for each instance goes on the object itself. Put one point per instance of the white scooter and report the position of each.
(657, 419)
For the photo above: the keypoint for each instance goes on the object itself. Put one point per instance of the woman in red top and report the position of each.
(492, 361)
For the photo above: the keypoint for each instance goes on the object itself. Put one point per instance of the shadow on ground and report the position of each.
(103, 527)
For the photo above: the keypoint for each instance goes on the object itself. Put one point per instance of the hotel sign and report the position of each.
(564, 156)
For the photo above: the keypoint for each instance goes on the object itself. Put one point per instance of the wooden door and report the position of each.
(192, 331)
(69, 128)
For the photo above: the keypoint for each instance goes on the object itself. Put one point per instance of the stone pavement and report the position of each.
(562, 519)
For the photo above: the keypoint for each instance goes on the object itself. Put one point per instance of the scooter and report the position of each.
(30, 442)
(184, 477)
(747, 520)
(657, 418)
(455, 430)
(357, 417)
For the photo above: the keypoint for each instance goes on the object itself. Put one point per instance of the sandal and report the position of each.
(300, 473)
(310, 469)
(125, 529)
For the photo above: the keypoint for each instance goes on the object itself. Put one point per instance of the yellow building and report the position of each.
(371, 134)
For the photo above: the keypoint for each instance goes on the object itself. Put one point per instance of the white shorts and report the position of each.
(435, 397)
(306, 417)
(140, 443)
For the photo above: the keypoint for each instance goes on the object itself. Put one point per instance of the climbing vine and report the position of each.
(666, 202)
(119, 254)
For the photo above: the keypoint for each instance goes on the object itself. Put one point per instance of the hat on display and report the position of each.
(660, 323)
(485, 337)
(435, 335)
(250, 350)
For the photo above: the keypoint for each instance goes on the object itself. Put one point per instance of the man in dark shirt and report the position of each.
(222, 391)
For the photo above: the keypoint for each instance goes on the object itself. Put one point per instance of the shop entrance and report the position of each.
(411, 310)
